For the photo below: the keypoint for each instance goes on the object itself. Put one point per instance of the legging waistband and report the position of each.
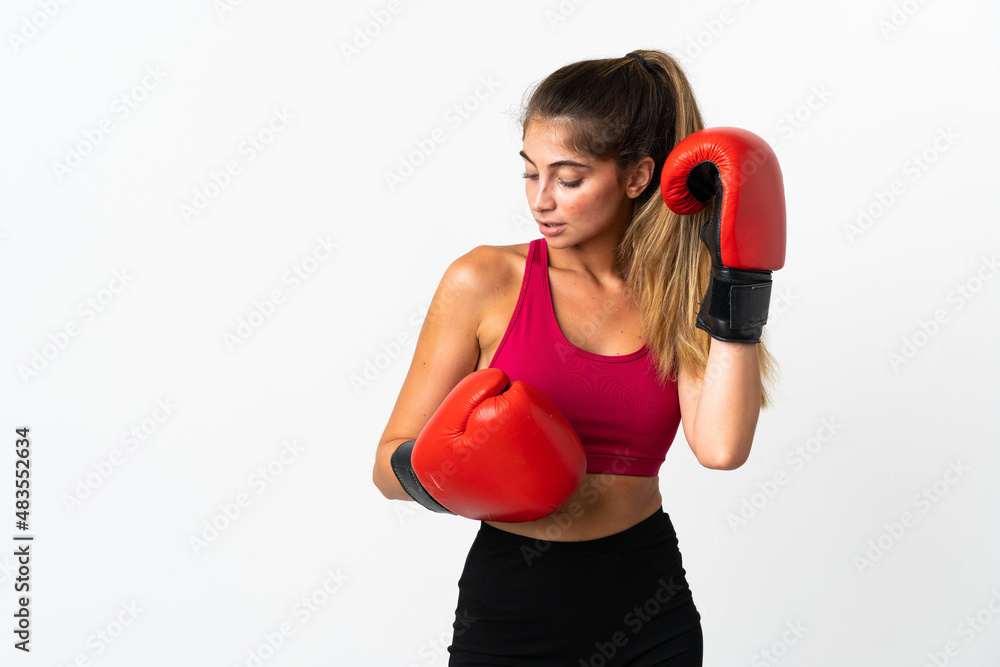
(657, 521)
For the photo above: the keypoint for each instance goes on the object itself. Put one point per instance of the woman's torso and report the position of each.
(602, 321)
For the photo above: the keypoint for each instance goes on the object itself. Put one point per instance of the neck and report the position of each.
(597, 257)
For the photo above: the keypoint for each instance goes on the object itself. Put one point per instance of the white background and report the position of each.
(850, 94)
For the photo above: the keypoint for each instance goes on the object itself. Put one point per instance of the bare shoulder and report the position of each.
(490, 256)
(488, 280)
(487, 268)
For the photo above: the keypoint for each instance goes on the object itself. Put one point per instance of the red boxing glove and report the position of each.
(495, 451)
(746, 233)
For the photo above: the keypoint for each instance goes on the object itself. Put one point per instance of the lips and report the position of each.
(550, 228)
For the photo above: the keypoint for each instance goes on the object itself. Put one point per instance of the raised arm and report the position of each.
(745, 238)
(719, 409)
(447, 350)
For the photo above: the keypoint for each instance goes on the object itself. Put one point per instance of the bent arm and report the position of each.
(719, 409)
(447, 350)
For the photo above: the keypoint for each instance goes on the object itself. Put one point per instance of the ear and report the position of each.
(639, 176)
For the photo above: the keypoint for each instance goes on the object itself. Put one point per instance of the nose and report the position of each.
(539, 197)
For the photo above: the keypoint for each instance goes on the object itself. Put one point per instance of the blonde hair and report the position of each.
(622, 109)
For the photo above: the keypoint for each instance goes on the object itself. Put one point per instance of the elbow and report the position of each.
(385, 487)
(379, 480)
(725, 458)
(376, 479)
(731, 463)
(385, 479)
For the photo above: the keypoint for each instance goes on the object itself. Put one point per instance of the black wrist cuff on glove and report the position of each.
(403, 469)
(736, 304)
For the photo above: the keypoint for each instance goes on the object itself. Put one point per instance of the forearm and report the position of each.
(382, 474)
(729, 405)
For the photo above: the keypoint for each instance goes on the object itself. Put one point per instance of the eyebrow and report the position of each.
(560, 163)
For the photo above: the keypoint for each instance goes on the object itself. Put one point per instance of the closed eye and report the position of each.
(567, 184)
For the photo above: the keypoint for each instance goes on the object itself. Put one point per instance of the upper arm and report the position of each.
(447, 347)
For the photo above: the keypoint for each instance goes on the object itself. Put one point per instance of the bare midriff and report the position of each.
(602, 506)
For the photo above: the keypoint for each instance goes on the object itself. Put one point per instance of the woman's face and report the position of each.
(573, 198)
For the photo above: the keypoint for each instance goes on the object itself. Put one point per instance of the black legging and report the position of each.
(616, 600)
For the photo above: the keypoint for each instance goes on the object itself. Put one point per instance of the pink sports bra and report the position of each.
(625, 418)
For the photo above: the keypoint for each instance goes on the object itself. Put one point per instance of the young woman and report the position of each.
(602, 316)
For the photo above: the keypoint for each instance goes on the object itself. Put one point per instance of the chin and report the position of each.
(558, 242)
